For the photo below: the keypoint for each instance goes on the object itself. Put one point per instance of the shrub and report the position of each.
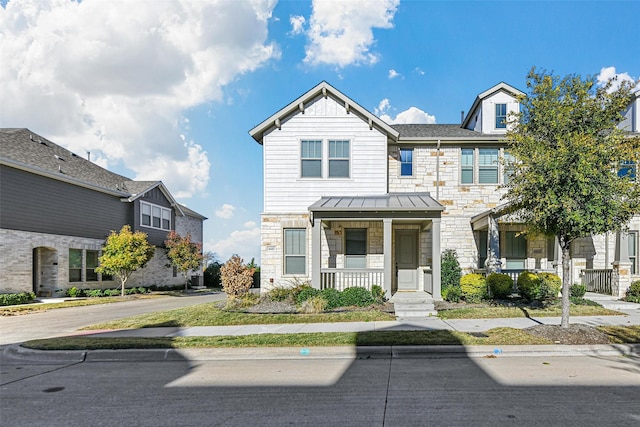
(355, 296)
(20, 298)
(246, 300)
(305, 293)
(541, 287)
(142, 290)
(378, 294)
(332, 297)
(473, 287)
(279, 294)
(577, 290)
(633, 293)
(111, 292)
(236, 277)
(74, 292)
(94, 293)
(450, 269)
(313, 305)
(500, 285)
(452, 294)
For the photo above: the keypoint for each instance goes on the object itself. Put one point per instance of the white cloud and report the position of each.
(393, 74)
(114, 77)
(341, 32)
(226, 211)
(249, 224)
(245, 243)
(413, 115)
(608, 73)
(297, 24)
(418, 70)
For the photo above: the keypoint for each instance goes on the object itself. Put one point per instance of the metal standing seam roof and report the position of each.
(406, 202)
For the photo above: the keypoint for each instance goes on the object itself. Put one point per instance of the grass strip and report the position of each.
(512, 312)
(37, 307)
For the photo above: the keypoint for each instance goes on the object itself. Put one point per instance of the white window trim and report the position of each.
(413, 163)
(329, 158)
(162, 209)
(325, 159)
(322, 159)
(285, 255)
(476, 166)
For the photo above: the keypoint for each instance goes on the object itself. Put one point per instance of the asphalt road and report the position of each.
(417, 391)
(60, 322)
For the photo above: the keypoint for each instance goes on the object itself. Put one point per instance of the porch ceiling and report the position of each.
(391, 205)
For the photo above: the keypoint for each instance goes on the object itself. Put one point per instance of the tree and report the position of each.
(567, 147)
(123, 253)
(236, 277)
(184, 254)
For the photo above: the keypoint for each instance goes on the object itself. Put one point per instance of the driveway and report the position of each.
(62, 321)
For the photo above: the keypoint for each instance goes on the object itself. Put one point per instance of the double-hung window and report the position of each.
(406, 162)
(355, 242)
(339, 159)
(501, 116)
(466, 176)
(155, 216)
(515, 250)
(311, 159)
(295, 259)
(488, 166)
(91, 263)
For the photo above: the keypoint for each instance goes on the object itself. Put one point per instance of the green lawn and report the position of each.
(497, 336)
(33, 308)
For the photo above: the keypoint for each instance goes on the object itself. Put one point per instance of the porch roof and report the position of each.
(405, 205)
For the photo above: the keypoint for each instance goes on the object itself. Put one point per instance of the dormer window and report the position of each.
(501, 116)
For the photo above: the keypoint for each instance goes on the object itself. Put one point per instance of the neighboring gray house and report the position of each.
(57, 208)
(350, 200)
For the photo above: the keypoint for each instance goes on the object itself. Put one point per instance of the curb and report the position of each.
(297, 353)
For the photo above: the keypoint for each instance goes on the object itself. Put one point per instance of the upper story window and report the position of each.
(339, 159)
(406, 162)
(488, 166)
(628, 168)
(155, 216)
(501, 116)
(466, 161)
(295, 258)
(311, 159)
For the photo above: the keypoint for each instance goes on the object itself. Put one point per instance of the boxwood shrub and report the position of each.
(500, 285)
(473, 287)
(355, 296)
(633, 293)
(539, 287)
(332, 297)
(305, 293)
(14, 299)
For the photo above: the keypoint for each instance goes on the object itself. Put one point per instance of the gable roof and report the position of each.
(22, 149)
(322, 89)
(413, 132)
(502, 86)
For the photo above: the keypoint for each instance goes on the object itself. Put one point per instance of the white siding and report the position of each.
(324, 119)
(489, 111)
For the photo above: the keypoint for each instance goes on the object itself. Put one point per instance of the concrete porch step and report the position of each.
(413, 305)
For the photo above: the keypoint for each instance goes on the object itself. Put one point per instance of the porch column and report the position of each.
(435, 258)
(621, 280)
(316, 253)
(493, 263)
(386, 249)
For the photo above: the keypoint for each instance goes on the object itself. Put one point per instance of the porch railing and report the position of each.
(346, 278)
(598, 281)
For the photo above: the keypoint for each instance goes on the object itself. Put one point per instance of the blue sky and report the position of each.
(169, 89)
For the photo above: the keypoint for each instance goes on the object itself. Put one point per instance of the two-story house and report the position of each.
(350, 200)
(57, 208)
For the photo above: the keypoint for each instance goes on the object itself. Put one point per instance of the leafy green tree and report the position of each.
(567, 146)
(123, 253)
(184, 254)
(450, 269)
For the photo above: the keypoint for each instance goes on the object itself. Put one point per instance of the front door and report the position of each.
(407, 260)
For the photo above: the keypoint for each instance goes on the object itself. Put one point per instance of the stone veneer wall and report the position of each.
(16, 264)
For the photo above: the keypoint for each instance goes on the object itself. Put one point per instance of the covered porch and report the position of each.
(390, 240)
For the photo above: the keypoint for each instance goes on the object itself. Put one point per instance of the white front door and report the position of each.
(407, 260)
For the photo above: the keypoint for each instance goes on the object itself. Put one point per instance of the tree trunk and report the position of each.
(565, 245)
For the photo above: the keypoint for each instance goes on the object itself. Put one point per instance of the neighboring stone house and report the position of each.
(350, 200)
(57, 208)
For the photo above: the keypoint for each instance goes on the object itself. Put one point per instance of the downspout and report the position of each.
(438, 171)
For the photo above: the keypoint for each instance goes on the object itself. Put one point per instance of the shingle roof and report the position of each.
(29, 149)
(435, 131)
(22, 148)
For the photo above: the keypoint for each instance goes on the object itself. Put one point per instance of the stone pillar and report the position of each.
(387, 249)
(435, 257)
(316, 253)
